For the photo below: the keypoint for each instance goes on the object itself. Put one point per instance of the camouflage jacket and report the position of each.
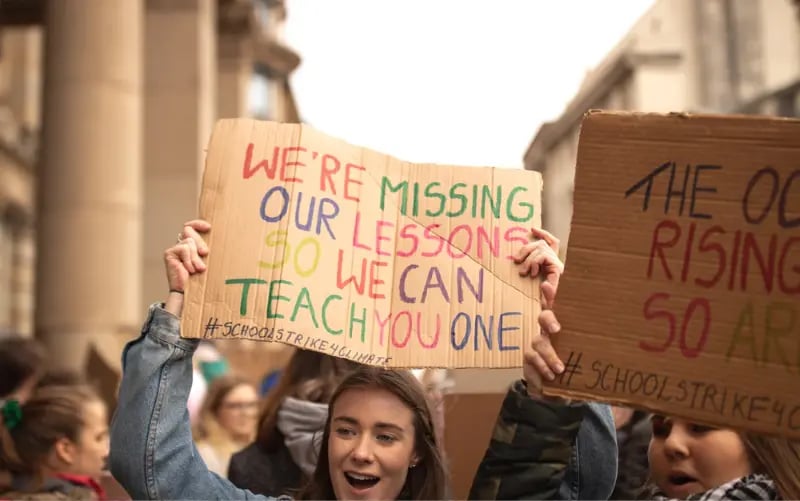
(533, 453)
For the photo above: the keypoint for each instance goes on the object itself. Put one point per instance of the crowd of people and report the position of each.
(186, 426)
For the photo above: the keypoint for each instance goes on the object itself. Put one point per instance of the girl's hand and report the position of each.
(540, 258)
(184, 259)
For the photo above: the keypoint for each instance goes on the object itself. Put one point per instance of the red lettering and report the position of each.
(521, 238)
(286, 163)
(341, 284)
(356, 231)
(735, 259)
(658, 246)
(374, 281)
(407, 233)
(687, 253)
(463, 248)
(651, 314)
(430, 234)
(687, 351)
(783, 266)
(492, 243)
(401, 344)
(348, 180)
(380, 237)
(767, 270)
(269, 169)
(326, 172)
(715, 247)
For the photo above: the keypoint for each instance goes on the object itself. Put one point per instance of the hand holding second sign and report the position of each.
(540, 258)
(184, 259)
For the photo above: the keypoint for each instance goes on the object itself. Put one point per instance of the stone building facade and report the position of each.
(105, 111)
(720, 56)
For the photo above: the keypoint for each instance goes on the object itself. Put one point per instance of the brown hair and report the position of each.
(779, 459)
(219, 388)
(53, 412)
(20, 360)
(425, 481)
(310, 376)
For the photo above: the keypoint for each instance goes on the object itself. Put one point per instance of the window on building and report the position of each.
(259, 94)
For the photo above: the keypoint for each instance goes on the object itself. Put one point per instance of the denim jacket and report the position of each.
(153, 454)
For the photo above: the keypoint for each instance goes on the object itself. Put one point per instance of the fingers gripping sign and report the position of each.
(539, 258)
(184, 259)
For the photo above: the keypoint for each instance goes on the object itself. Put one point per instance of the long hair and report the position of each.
(20, 359)
(207, 427)
(310, 376)
(778, 458)
(425, 481)
(53, 412)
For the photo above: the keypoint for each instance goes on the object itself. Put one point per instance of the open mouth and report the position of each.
(681, 479)
(360, 481)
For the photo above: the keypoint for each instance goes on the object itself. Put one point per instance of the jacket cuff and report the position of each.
(544, 414)
(165, 327)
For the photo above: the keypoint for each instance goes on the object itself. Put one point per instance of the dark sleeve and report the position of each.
(530, 448)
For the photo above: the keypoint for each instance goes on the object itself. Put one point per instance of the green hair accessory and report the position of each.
(12, 414)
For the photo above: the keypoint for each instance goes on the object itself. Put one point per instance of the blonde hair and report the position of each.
(778, 458)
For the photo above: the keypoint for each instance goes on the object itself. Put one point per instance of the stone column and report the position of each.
(235, 72)
(88, 276)
(22, 280)
(180, 100)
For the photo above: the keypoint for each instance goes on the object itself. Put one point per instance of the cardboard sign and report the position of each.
(343, 250)
(682, 285)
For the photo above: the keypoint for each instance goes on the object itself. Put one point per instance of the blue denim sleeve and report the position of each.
(592, 471)
(152, 452)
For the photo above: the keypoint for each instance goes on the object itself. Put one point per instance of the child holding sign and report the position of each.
(687, 460)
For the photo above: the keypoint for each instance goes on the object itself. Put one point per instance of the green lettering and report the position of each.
(304, 301)
(271, 296)
(386, 183)
(773, 333)
(453, 196)
(526, 205)
(442, 199)
(245, 282)
(325, 314)
(362, 321)
(495, 200)
(745, 321)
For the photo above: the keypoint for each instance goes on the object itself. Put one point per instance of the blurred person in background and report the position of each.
(633, 439)
(290, 426)
(55, 445)
(227, 421)
(22, 364)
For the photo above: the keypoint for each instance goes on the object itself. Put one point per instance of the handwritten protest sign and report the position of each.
(682, 285)
(335, 248)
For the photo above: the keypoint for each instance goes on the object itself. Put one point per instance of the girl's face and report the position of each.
(238, 412)
(371, 445)
(688, 458)
(87, 455)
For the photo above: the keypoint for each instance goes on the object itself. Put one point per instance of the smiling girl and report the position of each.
(378, 441)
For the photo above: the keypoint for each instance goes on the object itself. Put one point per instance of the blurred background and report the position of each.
(106, 107)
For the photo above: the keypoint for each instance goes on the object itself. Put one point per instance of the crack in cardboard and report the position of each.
(418, 223)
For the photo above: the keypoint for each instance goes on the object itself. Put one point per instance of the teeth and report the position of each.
(361, 477)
